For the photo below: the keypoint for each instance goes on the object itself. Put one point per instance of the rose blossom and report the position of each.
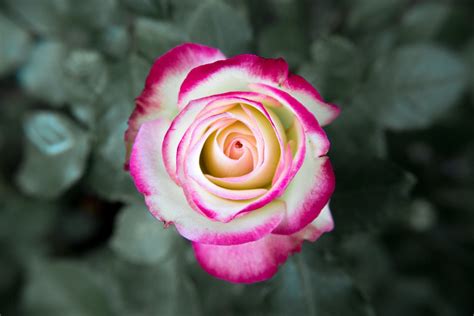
(231, 151)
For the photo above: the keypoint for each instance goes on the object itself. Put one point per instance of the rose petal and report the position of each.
(258, 260)
(188, 116)
(234, 74)
(160, 95)
(306, 94)
(214, 200)
(305, 117)
(322, 224)
(166, 201)
(307, 193)
(223, 158)
(262, 174)
(246, 263)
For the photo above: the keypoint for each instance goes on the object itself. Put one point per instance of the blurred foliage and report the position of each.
(76, 237)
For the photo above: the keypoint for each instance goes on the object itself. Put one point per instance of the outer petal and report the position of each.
(160, 95)
(322, 224)
(307, 194)
(305, 93)
(258, 260)
(247, 263)
(236, 73)
(167, 202)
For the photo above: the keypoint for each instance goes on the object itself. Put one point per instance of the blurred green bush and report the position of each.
(76, 237)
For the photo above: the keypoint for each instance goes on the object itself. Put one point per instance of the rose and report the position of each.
(231, 151)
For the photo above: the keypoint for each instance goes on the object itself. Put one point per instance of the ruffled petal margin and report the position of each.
(159, 98)
(258, 260)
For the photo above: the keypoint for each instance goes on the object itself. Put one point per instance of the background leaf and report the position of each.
(210, 24)
(414, 26)
(14, 46)
(52, 139)
(76, 237)
(43, 75)
(411, 93)
(140, 239)
(378, 195)
(323, 289)
(337, 67)
(154, 38)
(63, 288)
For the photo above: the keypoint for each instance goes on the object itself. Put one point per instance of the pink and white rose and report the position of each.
(231, 151)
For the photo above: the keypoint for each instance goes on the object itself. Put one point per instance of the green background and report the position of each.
(76, 238)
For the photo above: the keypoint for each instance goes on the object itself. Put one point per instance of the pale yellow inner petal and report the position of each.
(244, 151)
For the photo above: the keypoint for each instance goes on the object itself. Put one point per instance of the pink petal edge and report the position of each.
(258, 260)
(236, 73)
(160, 94)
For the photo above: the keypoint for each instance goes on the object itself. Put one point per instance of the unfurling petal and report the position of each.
(160, 95)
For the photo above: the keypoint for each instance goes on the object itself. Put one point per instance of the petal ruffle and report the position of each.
(307, 194)
(306, 94)
(236, 73)
(311, 126)
(258, 260)
(247, 263)
(322, 224)
(160, 95)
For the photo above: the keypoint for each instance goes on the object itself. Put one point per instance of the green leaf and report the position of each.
(372, 15)
(52, 139)
(283, 40)
(63, 288)
(284, 9)
(41, 16)
(367, 261)
(14, 46)
(415, 26)
(337, 68)
(312, 284)
(43, 75)
(136, 289)
(115, 41)
(221, 296)
(141, 238)
(469, 57)
(139, 69)
(85, 76)
(106, 176)
(323, 18)
(25, 223)
(92, 14)
(369, 193)
(148, 7)
(379, 44)
(415, 85)
(10, 278)
(355, 133)
(217, 24)
(183, 9)
(154, 38)
(67, 20)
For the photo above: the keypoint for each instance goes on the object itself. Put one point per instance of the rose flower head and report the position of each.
(231, 152)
